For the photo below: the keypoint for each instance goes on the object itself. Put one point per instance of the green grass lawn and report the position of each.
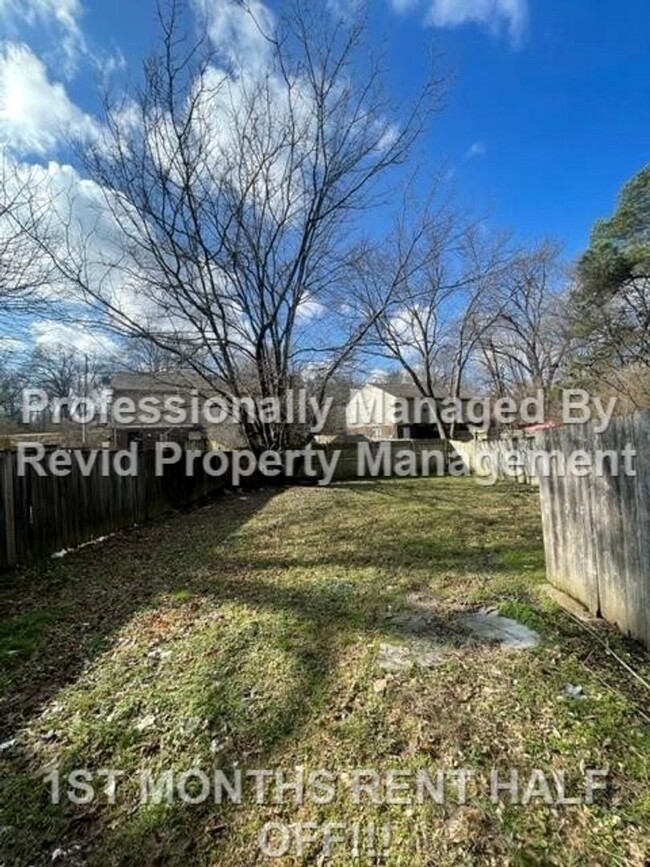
(245, 635)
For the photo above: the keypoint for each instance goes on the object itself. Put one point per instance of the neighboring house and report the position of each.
(198, 432)
(388, 411)
(184, 386)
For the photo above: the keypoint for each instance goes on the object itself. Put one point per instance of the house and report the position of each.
(184, 418)
(387, 411)
(202, 403)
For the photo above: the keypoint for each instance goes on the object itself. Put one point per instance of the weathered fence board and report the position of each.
(43, 514)
(505, 457)
(597, 527)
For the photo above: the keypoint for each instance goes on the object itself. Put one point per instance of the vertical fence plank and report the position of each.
(8, 510)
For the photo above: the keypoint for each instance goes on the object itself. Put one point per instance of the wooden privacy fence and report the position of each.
(43, 514)
(355, 460)
(597, 528)
(505, 457)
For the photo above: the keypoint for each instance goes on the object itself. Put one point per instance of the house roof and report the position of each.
(162, 381)
(407, 390)
(178, 380)
(399, 389)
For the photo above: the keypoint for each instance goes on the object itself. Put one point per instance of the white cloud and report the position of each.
(36, 114)
(111, 62)
(344, 9)
(239, 31)
(407, 327)
(309, 308)
(11, 344)
(477, 149)
(83, 236)
(64, 15)
(53, 335)
(493, 14)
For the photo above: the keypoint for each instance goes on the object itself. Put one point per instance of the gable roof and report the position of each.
(406, 390)
(398, 389)
(159, 382)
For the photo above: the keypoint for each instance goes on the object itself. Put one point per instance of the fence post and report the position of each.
(8, 510)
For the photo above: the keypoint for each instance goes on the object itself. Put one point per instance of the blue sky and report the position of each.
(563, 118)
(543, 120)
(546, 113)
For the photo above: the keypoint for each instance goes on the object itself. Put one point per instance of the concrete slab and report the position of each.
(488, 625)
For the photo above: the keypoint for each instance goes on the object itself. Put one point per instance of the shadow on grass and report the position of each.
(263, 663)
(58, 615)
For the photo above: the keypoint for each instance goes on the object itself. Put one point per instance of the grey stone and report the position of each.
(574, 691)
(488, 625)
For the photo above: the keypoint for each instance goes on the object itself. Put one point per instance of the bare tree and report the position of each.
(528, 344)
(10, 388)
(231, 201)
(435, 317)
(63, 371)
(146, 356)
(24, 268)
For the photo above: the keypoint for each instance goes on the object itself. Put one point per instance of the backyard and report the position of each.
(317, 628)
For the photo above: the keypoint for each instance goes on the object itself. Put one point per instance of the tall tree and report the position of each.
(234, 196)
(436, 313)
(10, 386)
(63, 371)
(527, 345)
(24, 268)
(612, 295)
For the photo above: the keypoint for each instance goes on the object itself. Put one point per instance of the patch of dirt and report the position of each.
(396, 657)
